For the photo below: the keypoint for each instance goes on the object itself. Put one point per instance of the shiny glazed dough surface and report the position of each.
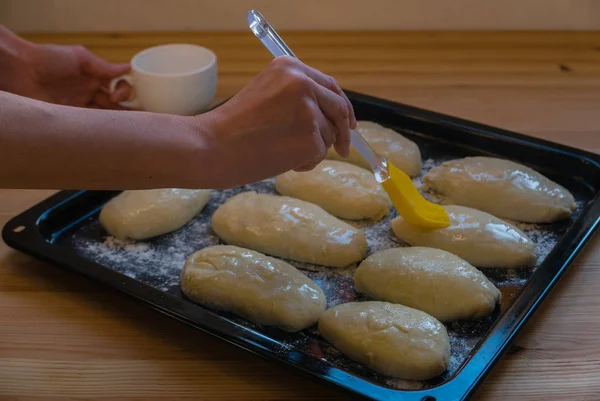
(288, 228)
(431, 280)
(143, 214)
(342, 189)
(393, 340)
(477, 237)
(254, 286)
(398, 149)
(502, 188)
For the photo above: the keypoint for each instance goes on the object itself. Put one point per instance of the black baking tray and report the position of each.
(51, 231)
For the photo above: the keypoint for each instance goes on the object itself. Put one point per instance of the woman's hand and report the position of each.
(285, 118)
(67, 75)
(73, 76)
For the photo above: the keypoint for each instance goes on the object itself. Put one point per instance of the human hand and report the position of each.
(285, 118)
(70, 75)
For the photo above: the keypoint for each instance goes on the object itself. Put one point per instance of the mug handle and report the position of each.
(132, 103)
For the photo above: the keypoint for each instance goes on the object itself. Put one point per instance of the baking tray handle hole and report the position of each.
(428, 398)
(18, 229)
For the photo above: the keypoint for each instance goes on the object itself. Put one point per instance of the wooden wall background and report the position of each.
(178, 15)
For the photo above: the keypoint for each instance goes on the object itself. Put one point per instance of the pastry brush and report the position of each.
(405, 197)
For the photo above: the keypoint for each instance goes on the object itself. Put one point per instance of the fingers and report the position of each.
(335, 110)
(324, 80)
(331, 84)
(98, 67)
(308, 167)
(331, 99)
(103, 100)
(321, 152)
(122, 93)
(328, 109)
(342, 146)
(328, 130)
(324, 136)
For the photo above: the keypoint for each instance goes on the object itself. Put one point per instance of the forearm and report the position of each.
(58, 147)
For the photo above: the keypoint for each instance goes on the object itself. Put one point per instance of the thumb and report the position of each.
(100, 68)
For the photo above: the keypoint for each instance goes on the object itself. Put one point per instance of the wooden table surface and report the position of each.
(65, 337)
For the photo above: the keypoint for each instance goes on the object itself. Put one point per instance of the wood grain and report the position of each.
(65, 337)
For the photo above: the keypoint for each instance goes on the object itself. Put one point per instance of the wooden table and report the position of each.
(65, 337)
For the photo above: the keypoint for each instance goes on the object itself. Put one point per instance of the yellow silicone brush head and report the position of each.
(410, 204)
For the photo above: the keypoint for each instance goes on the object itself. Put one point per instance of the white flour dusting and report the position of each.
(158, 263)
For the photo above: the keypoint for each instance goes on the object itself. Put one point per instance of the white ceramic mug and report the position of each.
(173, 79)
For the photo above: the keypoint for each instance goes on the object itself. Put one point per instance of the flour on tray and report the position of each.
(158, 263)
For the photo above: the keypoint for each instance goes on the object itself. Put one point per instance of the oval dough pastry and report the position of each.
(431, 280)
(401, 151)
(342, 189)
(143, 214)
(288, 228)
(502, 188)
(478, 237)
(257, 287)
(394, 340)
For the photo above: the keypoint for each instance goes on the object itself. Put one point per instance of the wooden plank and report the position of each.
(421, 39)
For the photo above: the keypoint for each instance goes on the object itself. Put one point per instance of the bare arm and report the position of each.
(43, 145)
(284, 119)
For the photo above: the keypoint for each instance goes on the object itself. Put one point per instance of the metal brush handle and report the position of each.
(272, 41)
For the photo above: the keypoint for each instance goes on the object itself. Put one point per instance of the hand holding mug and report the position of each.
(173, 79)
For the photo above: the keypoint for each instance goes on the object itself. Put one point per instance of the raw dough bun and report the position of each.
(502, 188)
(431, 280)
(479, 238)
(402, 152)
(393, 340)
(342, 189)
(288, 228)
(257, 287)
(144, 214)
